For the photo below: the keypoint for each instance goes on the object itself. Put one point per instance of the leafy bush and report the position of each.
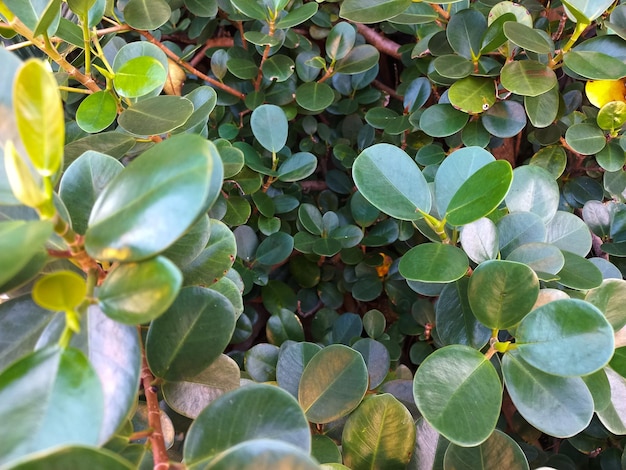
(285, 234)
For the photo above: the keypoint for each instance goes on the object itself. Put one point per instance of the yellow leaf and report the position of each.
(26, 186)
(39, 116)
(601, 92)
(60, 291)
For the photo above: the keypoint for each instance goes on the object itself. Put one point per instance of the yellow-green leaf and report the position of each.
(60, 290)
(26, 187)
(39, 116)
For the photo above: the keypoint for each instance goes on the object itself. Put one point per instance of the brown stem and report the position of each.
(387, 89)
(380, 42)
(442, 12)
(224, 42)
(161, 459)
(191, 69)
(121, 28)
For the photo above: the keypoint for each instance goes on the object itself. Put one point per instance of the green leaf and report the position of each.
(333, 384)
(613, 417)
(434, 262)
(609, 298)
(391, 181)
(270, 127)
(96, 112)
(314, 96)
(292, 360)
(494, 36)
(566, 338)
(274, 249)
(600, 388)
(501, 293)
(147, 14)
(263, 454)
(480, 240)
(297, 16)
(284, 326)
(138, 292)
(499, 448)
(376, 358)
(114, 144)
(252, 412)
(455, 67)
(83, 181)
(252, 9)
(456, 323)
(569, 233)
(49, 398)
(191, 396)
(442, 120)
(533, 190)
(39, 116)
(587, 10)
(610, 117)
(558, 406)
(360, 59)
(20, 241)
(260, 362)
(480, 194)
(151, 188)
(372, 11)
(156, 115)
(191, 334)
(527, 77)
(578, 272)
(298, 166)
(215, 259)
(465, 32)
(340, 40)
(60, 291)
(504, 119)
(543, 258)
(459, 393)
(39, 17)
(74, 457)
(278, 68)
(527, 38)
(472, 95)
(380, 433)
(139, 76)
(595, 65)
(543, 109)
(586, 139)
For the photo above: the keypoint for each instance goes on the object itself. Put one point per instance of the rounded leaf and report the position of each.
(480, 240)
(391, 181)
(442, 120)
(151, 188)
(147, 14)
(558, 406)
(314, 96)
(262, 454)
(60, 291)
(270, 127)
(74, 457)
(504, 119)
(96, 112)
(333, 384)
(138, 292)
(434, 262)
(379, 433)
(527, 77)
(499, 451)
(565, 337)
(20, 241)
(472, 95)
(585, 138)
(252, 412)
(139, 76)
(459, 393)
(157, 115)
(533, 190)
(292, 360)
(501, 293)
(191, 334)
(610, 298)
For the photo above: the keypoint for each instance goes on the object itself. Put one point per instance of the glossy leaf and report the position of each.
(372, 11)
(504, 119)
(377, 360)
(578, 272)
(147, 15)
(156, 115)
(585, 139)
(472, 94)
(480, 194)
(191, 334)
(388, 178)
(445, 263)
(360, 59)
(335, 368)
(74, 456)
(297, 167)
(39, 116)
(141, 291)
(82, 183)
(139, 76)
(292, 360)
(587, 10)
(480, 240)
(569, 233)
(499, 447)
(60, 291)
(64, 405)
(613, 417)
(442, 120)
(559, 406)
(609, 298)
(151, 188)
(543, 109)
(96, 112)
(501, 293)
(379, 433)
(565, 338)
(527, 77)
(252, 412)
(595, 65)
(191, 396)
(458, 392)
(270, 127)
(526, 38)
(543, 258)
(533, 190)
(465, 32)
(314, 96)
(20, 241)
(297, 16)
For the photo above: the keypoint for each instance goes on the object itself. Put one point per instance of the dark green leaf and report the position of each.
(465, 32)
(372, 11)
(434, 262)
(527, 77)
(147, 15)
(499, 447)
(442, 120)
(156, 115)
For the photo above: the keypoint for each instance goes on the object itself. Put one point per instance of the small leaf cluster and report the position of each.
(258, 234)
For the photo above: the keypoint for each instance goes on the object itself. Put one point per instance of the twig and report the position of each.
(190, 68)
(161, 459)
(380, 42)
(224, 42)
(387, 89)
